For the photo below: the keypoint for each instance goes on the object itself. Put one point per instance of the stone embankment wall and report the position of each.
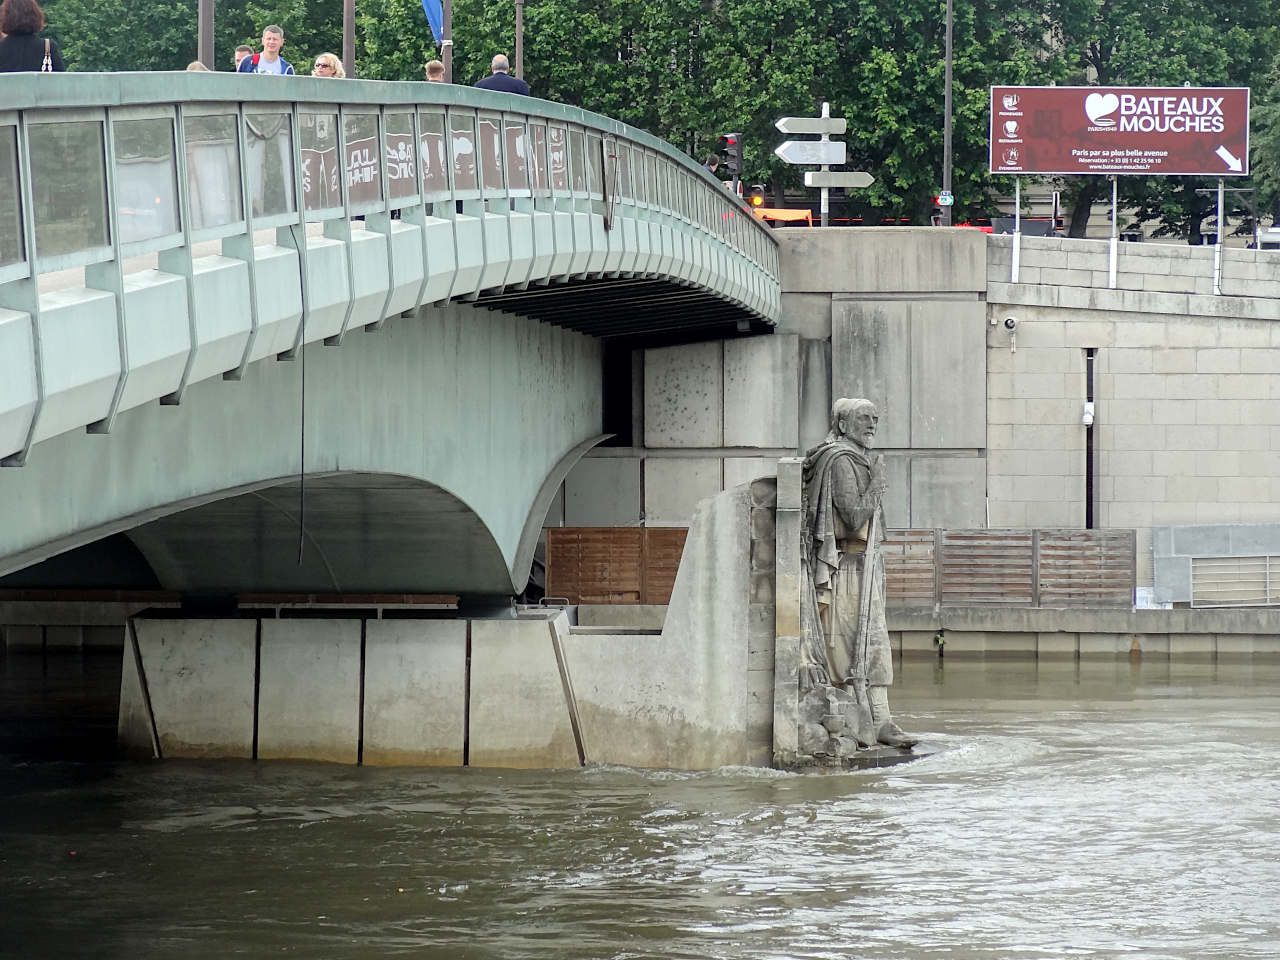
(1186, 427)
(981, 426)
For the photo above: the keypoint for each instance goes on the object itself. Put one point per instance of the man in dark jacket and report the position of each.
(502, 79)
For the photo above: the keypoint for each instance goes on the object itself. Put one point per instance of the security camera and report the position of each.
(1010, 322)
(1086, 413)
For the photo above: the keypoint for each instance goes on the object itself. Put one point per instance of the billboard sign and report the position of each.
(1133, 131)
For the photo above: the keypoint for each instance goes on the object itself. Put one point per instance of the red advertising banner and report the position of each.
(1134, 131)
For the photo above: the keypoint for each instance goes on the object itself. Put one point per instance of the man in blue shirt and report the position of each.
(502, 79)
(269, 60)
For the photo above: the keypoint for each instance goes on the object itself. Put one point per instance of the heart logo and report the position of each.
(1099, 107)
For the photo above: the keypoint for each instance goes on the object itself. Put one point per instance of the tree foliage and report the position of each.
(689, 70)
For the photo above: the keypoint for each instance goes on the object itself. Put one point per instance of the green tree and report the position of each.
(1204, 43)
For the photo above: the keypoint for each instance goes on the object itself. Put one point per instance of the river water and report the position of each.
(1109, 809)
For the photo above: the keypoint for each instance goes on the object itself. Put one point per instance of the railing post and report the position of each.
(381, 223)
(341, 229)
(417, 214)
(241, 248)
(180, 260)
(109, 276)
(298, 236)
(24, 294)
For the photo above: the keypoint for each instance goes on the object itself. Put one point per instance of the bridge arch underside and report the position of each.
(433, 447)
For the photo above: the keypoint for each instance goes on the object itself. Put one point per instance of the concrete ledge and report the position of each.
(1179, 305)
(1252, 621)
(648, 616)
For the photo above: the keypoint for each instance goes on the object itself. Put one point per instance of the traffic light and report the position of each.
(756, 196)
(731, 147)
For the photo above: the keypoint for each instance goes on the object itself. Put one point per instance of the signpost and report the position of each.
(1120, 131)
(824, 152)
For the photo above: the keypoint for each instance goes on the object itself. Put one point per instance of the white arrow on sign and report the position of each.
(1230, 159)
(853, 180)
(822, 125)
(812, 151)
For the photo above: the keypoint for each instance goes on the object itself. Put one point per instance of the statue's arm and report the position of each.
(852, 501)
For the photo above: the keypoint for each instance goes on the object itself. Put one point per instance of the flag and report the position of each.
(434, 9)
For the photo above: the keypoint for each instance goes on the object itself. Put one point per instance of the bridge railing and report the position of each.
(307, 208)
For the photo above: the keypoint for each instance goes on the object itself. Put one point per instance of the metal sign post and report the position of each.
(1217, 253)
(824, 152)
(1114, 262)
(1016, 259)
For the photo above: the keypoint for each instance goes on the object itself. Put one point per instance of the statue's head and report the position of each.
(855, 419)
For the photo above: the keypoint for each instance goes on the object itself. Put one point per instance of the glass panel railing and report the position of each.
(538, 156)
(268, 147)
(435, 155)
(363, 160)
(321, 172)
(558, 148)
(213, 170)
(12, 247)
(622, 176)
(146, 193)
(578, 161)
(517, 154)
(69, 184)
(489, 139)
(462, 142)
(402, 161)
(595, 175)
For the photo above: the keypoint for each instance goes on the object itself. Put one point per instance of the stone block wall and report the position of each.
(1186, 422)
(1150, 267)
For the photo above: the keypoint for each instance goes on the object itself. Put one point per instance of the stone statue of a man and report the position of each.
(844, 486)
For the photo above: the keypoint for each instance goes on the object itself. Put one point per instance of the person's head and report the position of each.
(272, 41)
(328, 65)
(243, 51)
(500, 63)
(712, 162)
(195, 66)
(21, 16)
(435, 71)
(854, 419)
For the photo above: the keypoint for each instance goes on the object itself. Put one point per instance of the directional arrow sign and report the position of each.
(812, 125)
(854, 180)
(812, 151)
(1230, 159)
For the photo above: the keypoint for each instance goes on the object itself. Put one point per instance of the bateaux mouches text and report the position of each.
(1144, 131)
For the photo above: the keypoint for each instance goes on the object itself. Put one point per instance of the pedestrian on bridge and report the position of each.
(269, 60)
(501, 78)
(435, 71)
(22, 49)
(328, 65)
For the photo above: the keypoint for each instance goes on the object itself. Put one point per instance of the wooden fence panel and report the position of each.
(663, 548)
(1087, 568)
(987, 567)
(613, 564)
(595, 564)
(910, 558)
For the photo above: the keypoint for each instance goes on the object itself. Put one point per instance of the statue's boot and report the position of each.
(887, 732)
(891, 735)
